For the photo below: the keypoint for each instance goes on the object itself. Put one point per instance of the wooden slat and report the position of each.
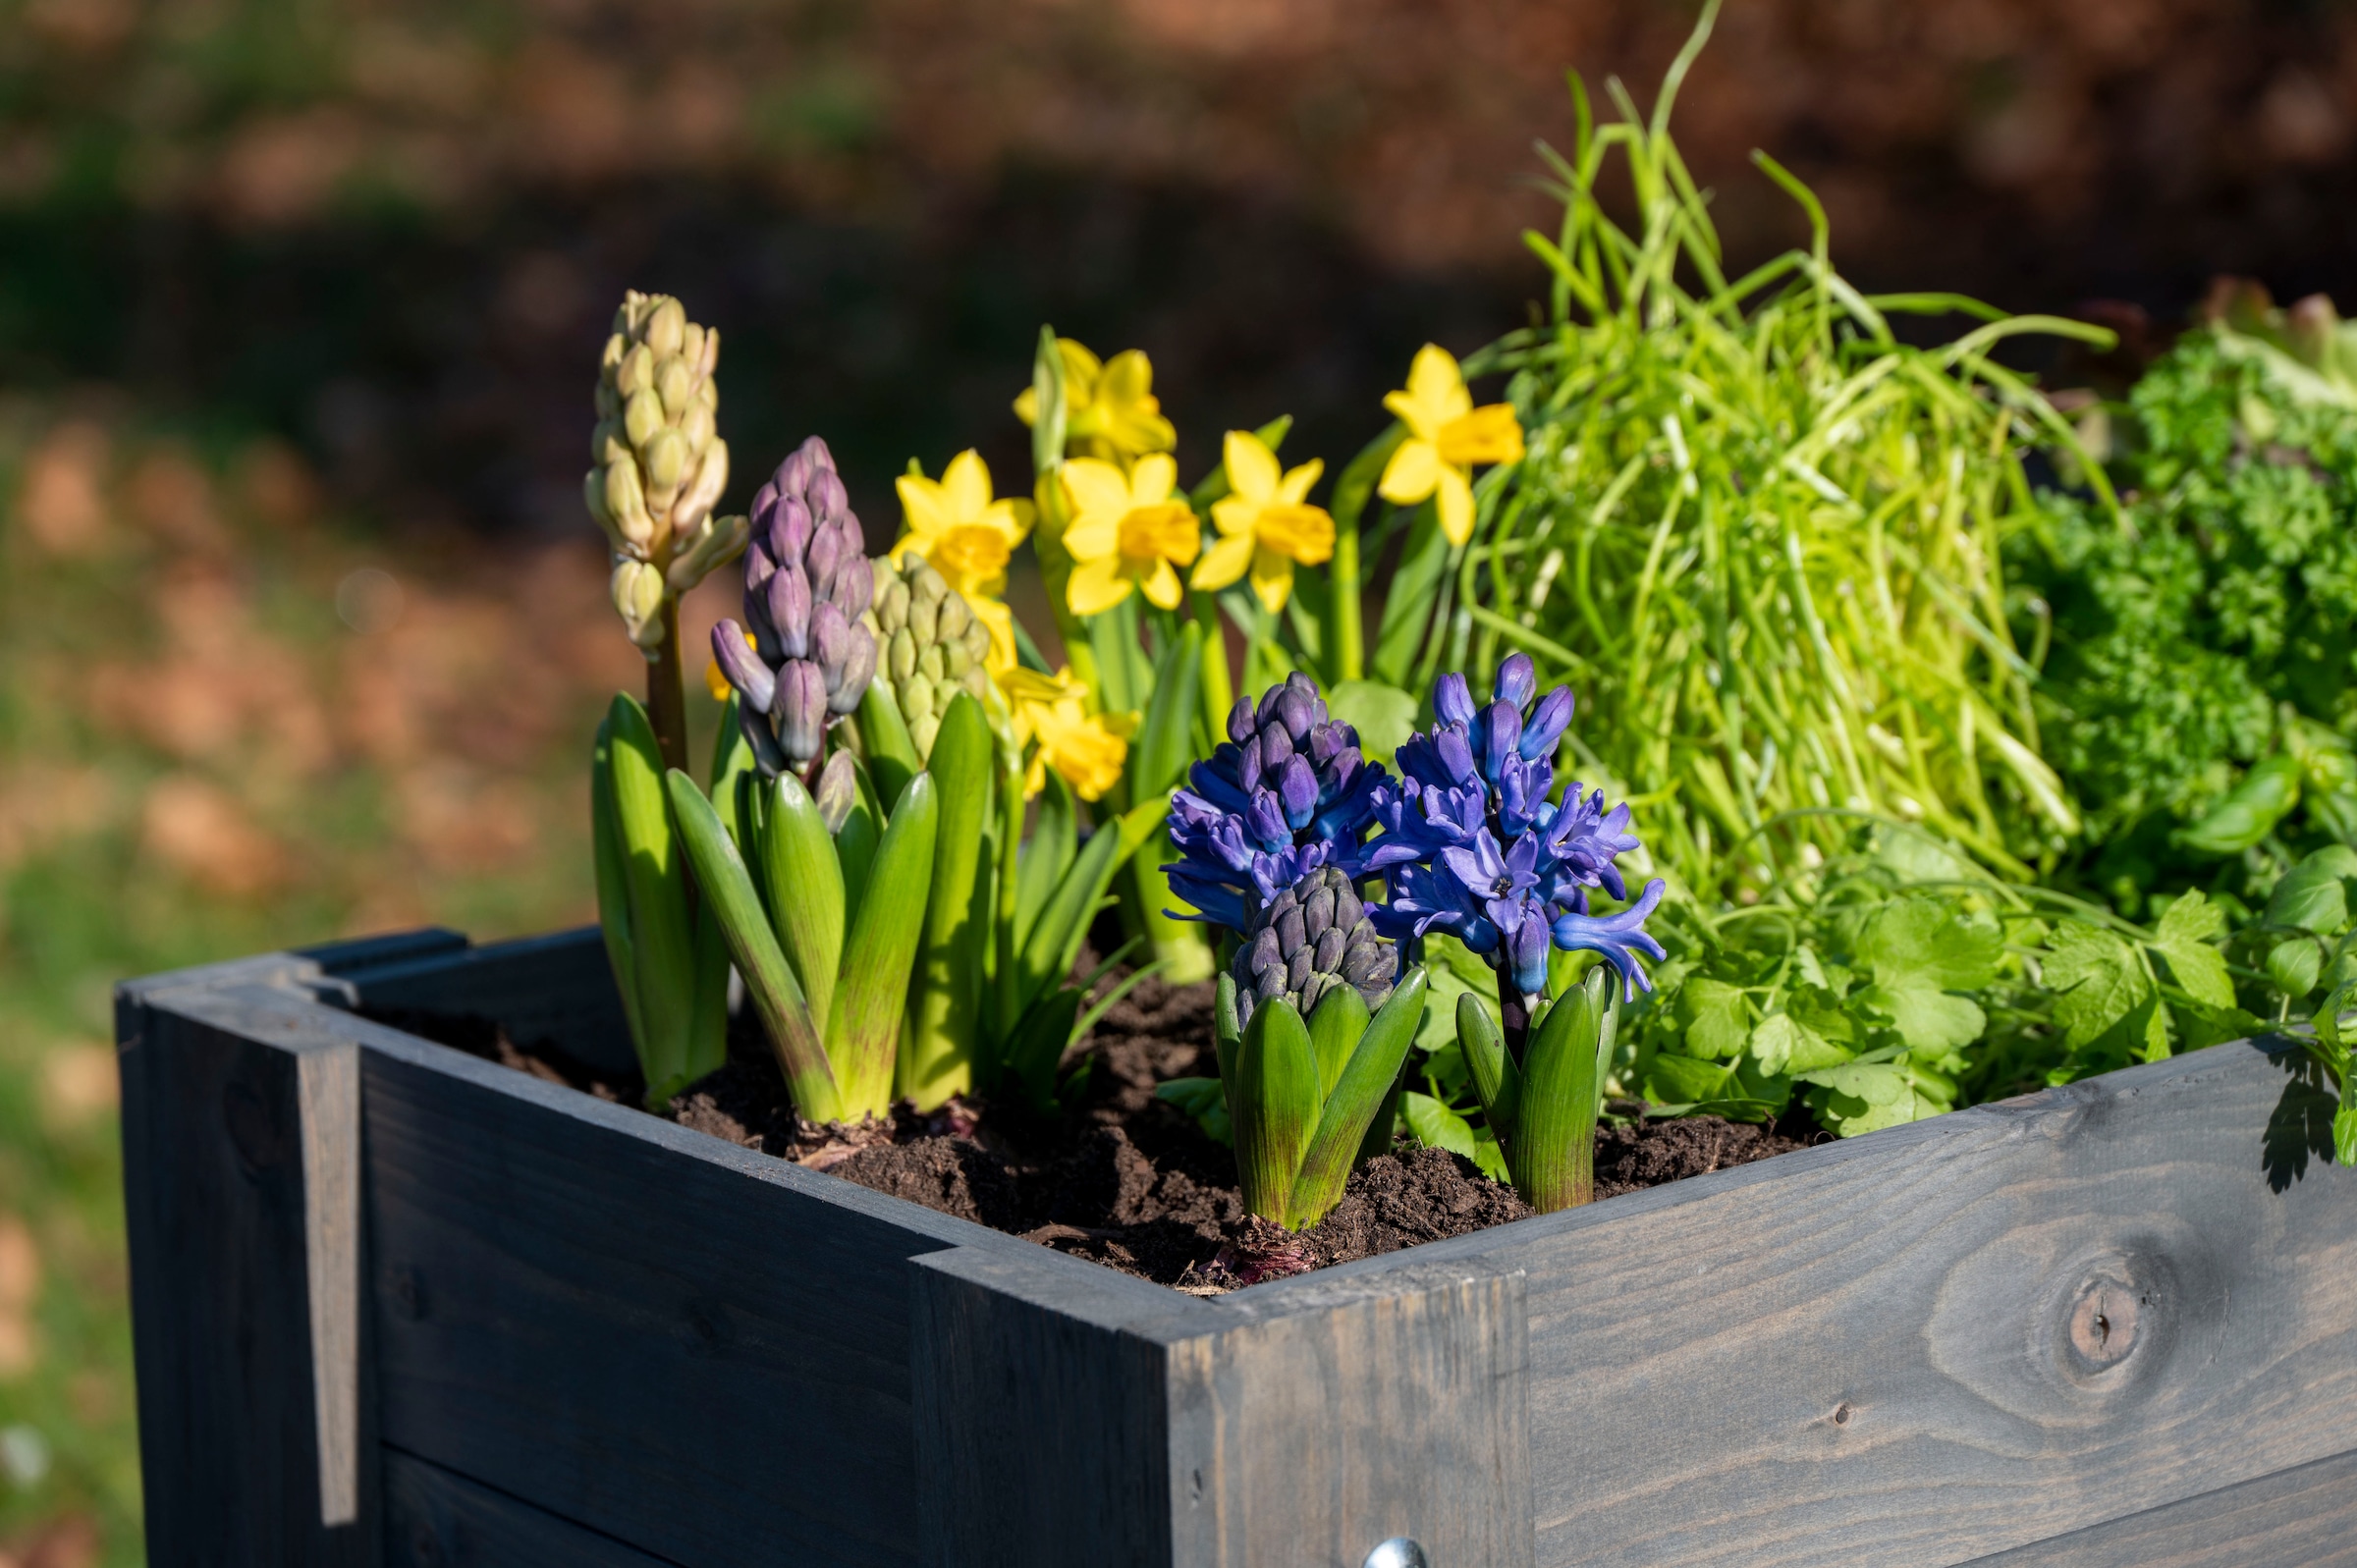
(1337, 1414)
(243, 1275)
(1944, 1341)
(434, 1518)
(2304, 1518)
(693, 1348)
(557, 988)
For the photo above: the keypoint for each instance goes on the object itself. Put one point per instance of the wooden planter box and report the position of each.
(397, 1305)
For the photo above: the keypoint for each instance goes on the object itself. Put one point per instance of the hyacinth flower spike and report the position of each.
(1313, 1017)
(1473, 845)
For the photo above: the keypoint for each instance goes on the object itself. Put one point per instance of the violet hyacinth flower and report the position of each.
(1472, 845)
(1289, 791)
(808, 580)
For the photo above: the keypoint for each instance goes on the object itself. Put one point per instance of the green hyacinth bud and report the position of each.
(660, 463)
(934, 645)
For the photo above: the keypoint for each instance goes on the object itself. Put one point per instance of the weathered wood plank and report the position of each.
(253, 1421)
(693, 1348)
(1337, 1414)
(557, 986)
(435, 1519)
(2304, 1518)
(1941, 1341)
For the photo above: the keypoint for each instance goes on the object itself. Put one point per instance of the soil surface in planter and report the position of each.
(1123, 1178)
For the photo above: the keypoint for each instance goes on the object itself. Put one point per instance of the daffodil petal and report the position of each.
(1232, 517)
(995, 614)
(1222, 563)
(1096, 586)
(1162, 587)
(1294, 487)
(1153, 479)
(1455, 493)
(1436, 383)
(1093, 537)
(1411, 414)
(1252, 471)
(922, 505)
(1489, 434)
(1272, 579)
(1093, 485)
(1414, 468)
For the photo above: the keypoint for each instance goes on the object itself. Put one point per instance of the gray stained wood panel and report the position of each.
(435, 1519)
(243, 1280)
(1944, 1341)
(557, 987)
(2304, 1518)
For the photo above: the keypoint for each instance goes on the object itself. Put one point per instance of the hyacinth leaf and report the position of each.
(945, 1022)
(871, 996)
(728, 886)
(732, 759)
(1368, 1079)
(1054, 944)
(613, 883)
(1385, 1128)
(661, 934)
(804, 880)
(892, 759)
(708, 1017)
(1335, 1024)
(1553, 1149)
(1038, 1044)
(1606, 997)
(855, 844)
(1125, 677)
(1408, 600)
(1275, 1105)
(1226, 1034)
(1497, 1078)
(1166, 741)
(1055, 838)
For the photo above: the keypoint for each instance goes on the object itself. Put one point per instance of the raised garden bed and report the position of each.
(394, 1303)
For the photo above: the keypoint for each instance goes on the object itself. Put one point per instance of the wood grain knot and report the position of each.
(2105, 1323)
(254, 1128)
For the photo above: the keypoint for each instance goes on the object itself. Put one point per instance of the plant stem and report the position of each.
(666, 698)
(1513, 1016)
(1349, 639)
(1219, 689)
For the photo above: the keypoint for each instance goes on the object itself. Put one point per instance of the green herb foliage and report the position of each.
(2197, 696)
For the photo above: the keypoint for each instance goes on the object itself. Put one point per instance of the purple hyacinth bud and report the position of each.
(800, 710)
(1547, 724)
(1502, 736)
(790, 610)
(1294, 709)
(1452, 703)
(759, 565)
(745, 671)
(824, 554)
(1249, 767)
(1297, 787)
(828, 499)
(790, 529)
(845, 687)
(1276, 746)
(794, 474)
(1526, 952)
(855, 586)
(1264, 820)
(1517, 680)
(830, 639)
(1456, 755)
(1239, 721)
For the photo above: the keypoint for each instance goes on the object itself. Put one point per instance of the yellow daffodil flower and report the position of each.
(1446, 437)
(1086, 750)
(968, 538)
(1110, 409)
(1264, 524)
(1128, 530)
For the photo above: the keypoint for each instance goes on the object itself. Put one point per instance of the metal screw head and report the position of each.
(1396, 1552)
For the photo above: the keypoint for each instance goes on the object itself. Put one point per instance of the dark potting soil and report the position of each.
(1122, 1178)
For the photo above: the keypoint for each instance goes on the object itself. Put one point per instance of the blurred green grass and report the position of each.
(228, 722)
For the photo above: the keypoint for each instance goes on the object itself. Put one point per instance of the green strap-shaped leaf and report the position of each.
(732, 759)
(661, 934)
(946, 1016)
(855, 843)
(768, 978)
(1497, 1079)
(1552, 1151)
(805, 892)
(1335, 1026)
(1038, 1044)
(708, 1021)
(871, 996)
(892, 759)
(1408, 599)
(1367, 1079)
(1041, 865)
(1226, 1034)
(1158, 762)
(1276, 1103)
(613, 885)
(1055, 939)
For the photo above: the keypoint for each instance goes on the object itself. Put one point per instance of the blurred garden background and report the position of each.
(302, 629)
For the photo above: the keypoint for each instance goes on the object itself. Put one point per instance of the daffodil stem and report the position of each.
(1218, 690)
(666, 698)
(1349, 639)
